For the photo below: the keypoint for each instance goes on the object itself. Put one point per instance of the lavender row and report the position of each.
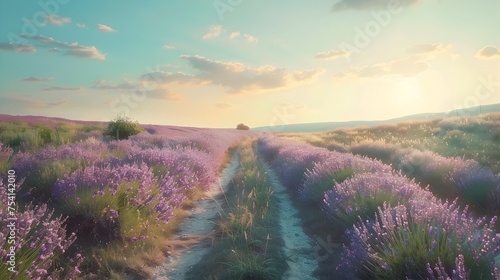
(109, 191)
(39, 238)
(420, 237)
(447, 177)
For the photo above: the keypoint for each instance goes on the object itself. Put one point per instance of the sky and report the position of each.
(217, 63)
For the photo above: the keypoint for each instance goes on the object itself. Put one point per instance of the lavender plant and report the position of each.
(334, 169)
(405, 241)
(475, 183)
(363, 194)
(40, 244)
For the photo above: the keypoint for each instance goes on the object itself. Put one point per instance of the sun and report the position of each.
(407, 92)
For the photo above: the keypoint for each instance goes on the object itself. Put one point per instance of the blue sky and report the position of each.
(219, 63)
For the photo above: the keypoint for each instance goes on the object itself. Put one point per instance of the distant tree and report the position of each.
(122, 128)
(242, 127)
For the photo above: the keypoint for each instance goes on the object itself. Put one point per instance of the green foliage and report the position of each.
(45, 135)
(122, 234)
(407, 251)
(39, 181)
(317, 191)
(89, 128)
(242, 126)
(22, 136)
(96, 208)
(366, 207)
(471, 138)
(122, 128)
(249, 246)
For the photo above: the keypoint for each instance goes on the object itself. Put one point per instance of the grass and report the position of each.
(248, 243)
(475, 138)
(118, 257)
(39, 181)
(23, 136)
(408, 249)
(130, 246)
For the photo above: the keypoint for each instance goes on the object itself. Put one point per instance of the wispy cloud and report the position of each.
(225, 105)
(107, 85)
(168, 47)
(105, 28)
(59, 88)
(73, 49)
(488, 52)
(406, 67)
(427, 48)
(32, 103)
(57, 20)
(370, 4)
(239, 78)
(151, 91)
(20, 48)
(214, 31)
(164, 94)
(170, 77)
(81, 25)
(34, 79)
(250, 38)
(332, 54)
(234, 35)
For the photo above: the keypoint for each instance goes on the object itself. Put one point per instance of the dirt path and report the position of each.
(195, 231)
(298, 246)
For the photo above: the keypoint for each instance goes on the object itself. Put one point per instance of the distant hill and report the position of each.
(151, 128)
(50, 121)
(325, 126)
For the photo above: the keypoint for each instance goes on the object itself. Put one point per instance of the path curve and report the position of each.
(198, 227)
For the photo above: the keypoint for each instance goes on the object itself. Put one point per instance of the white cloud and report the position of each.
(239, 78)
(488, 52)
(164, 94)
(81, 25)
(73, 49)
(428, 48)
(32, 103)
(234, 35)
(141, 87)
(332, 54)
(250, 38)
(106, 85)
(169, 77)
(34, 79)
(104, 28)
(369, 4)
(20, 48)
(85, 52)
(59, 88)
(214, 31)
(57, 20)
(168, 47)
(406, 67)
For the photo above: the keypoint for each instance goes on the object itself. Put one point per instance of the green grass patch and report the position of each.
(248, 242)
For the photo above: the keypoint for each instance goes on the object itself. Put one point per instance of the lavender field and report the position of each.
(90, 207)
(249, 140)
(334, 205)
